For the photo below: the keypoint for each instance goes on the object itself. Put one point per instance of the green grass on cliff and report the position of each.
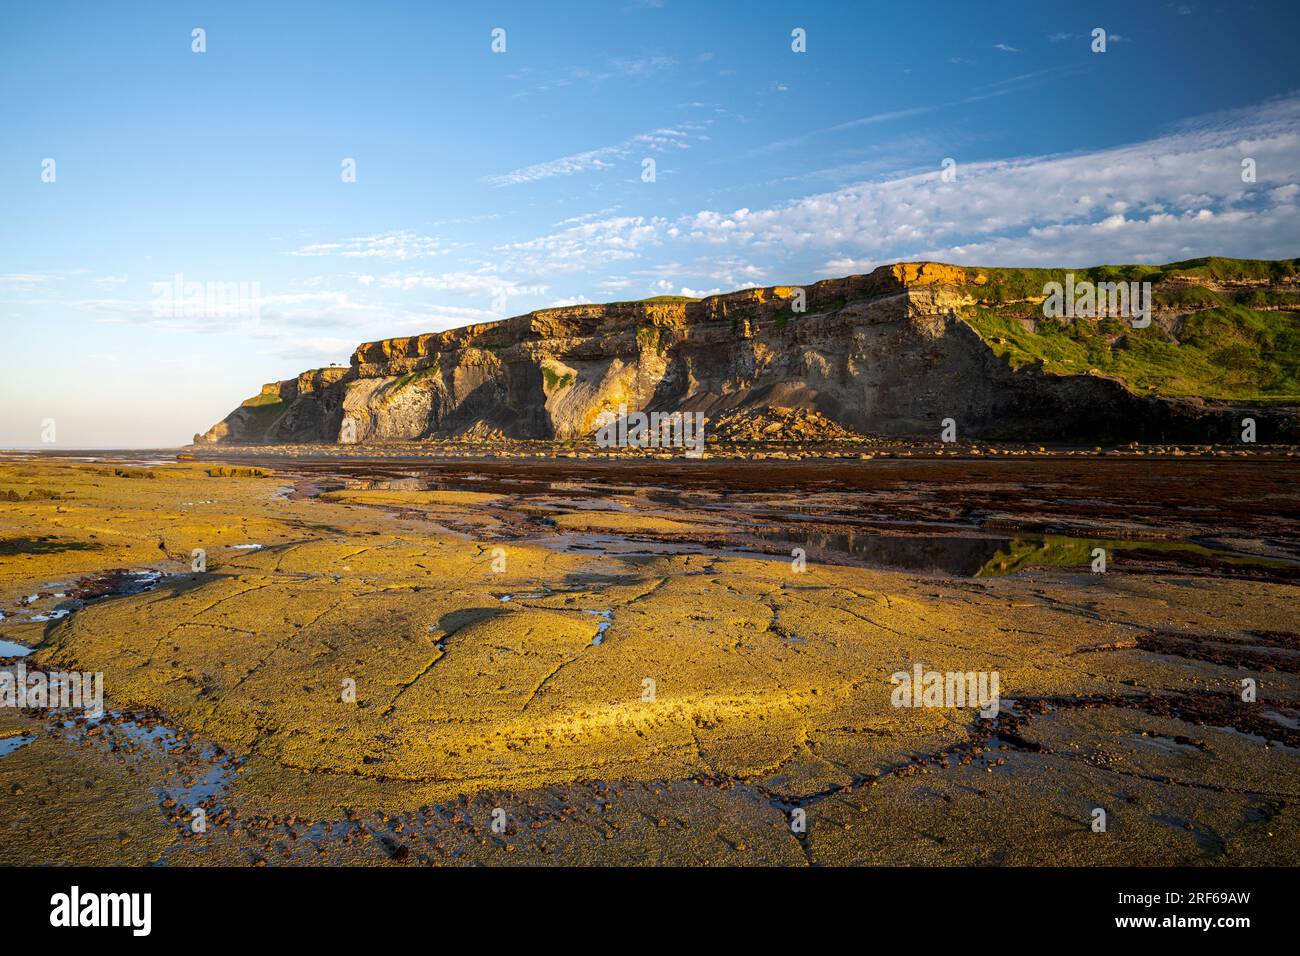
(651, 339)
(1234, 342)
(410, 377)
(656, 300)
(1219, 269)
(1228, 352)
(265, 409)
(1176, 278)
(1014, 285)
(556, 381)
(262, 398)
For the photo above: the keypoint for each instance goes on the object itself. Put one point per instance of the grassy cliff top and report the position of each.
(1008, 285)
(1225, 328)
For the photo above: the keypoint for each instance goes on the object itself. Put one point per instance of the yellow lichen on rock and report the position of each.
(373, 657)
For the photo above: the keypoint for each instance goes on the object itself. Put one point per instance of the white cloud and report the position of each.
(1172, 197)
(643, 65)
(1175, 196)
(582, 247)
(1158, 238)
(454, 283)
(847, 266)
(605, 157)
(1192, 168)
(390, 245)
(23, 280)
(730, 272)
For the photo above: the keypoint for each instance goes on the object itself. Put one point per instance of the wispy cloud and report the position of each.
(1064, 37)
(1055, 199)
(535, 82)
(453, 283)
(584, 246)
(869, 120)
(1013, 84)
(604, 157)
(389, 245)
(1170, 197)
(643, 65)
(24, 280)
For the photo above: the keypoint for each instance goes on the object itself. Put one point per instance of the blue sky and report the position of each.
(488, 184)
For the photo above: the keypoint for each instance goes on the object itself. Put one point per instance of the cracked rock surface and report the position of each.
(406, 675)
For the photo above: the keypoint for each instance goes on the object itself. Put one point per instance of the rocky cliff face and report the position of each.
(894, 353)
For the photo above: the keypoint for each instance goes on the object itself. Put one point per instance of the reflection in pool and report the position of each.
(974, 556)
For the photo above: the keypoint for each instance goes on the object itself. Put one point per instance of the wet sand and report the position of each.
(655, 661)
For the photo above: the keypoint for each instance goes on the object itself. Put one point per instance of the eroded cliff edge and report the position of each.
(891, 353)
